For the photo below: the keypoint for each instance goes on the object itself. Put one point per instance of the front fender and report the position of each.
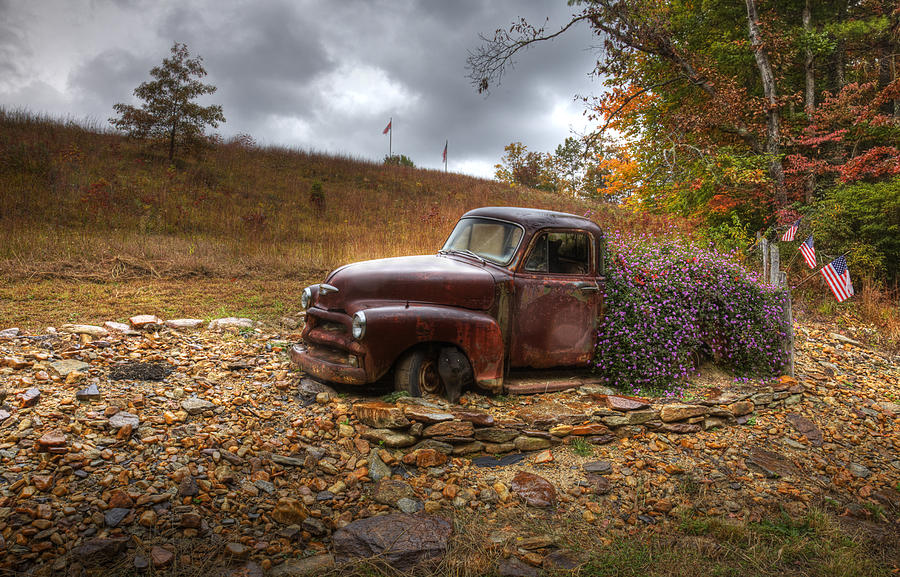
(392, 330)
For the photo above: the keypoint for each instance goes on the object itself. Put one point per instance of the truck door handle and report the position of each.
(587, 287)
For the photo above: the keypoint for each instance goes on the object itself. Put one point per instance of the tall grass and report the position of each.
(86, 202)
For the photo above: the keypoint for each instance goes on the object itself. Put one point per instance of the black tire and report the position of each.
(417, 373)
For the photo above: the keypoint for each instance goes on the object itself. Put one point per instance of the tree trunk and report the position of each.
(172, 144)
(773, 113)
(810, 103)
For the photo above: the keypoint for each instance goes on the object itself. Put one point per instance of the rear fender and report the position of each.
(392, 330)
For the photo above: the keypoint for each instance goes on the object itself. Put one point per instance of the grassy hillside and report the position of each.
(85, 203)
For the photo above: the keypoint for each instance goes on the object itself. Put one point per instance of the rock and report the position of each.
(424, 458)
(99, 550)
(639, 417)
(161, 557)
(407, 505)
(314, 565)
(548, 413)
(114, 516)
(477, 418)
(184, 324)
(741, 408)
(90, 393)
(400, 540)
(426, 415)
(496, 434)
(52, 442)
(600, 467)
(148, 518)
(289, 511)
(679, 412)
(195, 406)
(561, 430)
(134, 371)
(859, 470)
(450, 428)
(117, 327)
(843, 339)
(560, 560)
(66, 366)
(389, 491)
(625, 404)
(124, 419)
(805, 427)
(589, 429)
(771, 464)
(377, 469)
(247, 569)
(145, 322)
(120, 499)
(30, 397)
(380, 415)
(3, 415)
(616, 420)
(515, 567)
(524, 443)
(543, 457)
(10, 333)
(90, 330)
(230, 323)
(389, 438)
(680, 428)
(288, 461)
(534, 490)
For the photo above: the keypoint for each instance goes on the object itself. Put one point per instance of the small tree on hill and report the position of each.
(169, 112)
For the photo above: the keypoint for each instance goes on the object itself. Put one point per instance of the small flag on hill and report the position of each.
(837, 275)
(790, 233)
(445, 151)
(388, 127)
(809, 253)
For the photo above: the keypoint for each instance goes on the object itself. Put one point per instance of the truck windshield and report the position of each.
(489, 239)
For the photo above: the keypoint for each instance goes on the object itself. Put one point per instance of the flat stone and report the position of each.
(616, 420)
(377, 469)
(805, 427)
(599, 467)
(477, 418)
(534, 489)
(145, 322)
(515, 567)
(184, 324)
(858, 470)
(450, 428)
(88, 394)
(560, 560)
(30, 397)
(3, 415)
(289, 511)
(680, 412)
(681, 428)
(117, 327)
(624, 404)
(9, 333)
(247, 569)
(424, 458)
(843, 339)
(230, 323)
(99, 550)
(545, 414)
(524, 443)
(496, 434)
(589, 429)
(771, 464)
(161, 557)
(112, 517)
(400, 540)
(90, 330)
(123, 419)
(639, 417)
(380, 415)
(288, 461)
(51, 440)
(314, 565)
(740, 408)
(389, 438)
(426, 414)
(195, 406)
(66, 366)
(389, 491)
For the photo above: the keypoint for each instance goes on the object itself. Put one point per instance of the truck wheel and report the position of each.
(417, 373)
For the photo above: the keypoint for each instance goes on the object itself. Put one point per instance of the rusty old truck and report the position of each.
(512, 288)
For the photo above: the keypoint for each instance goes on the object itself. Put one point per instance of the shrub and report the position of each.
(669, 303)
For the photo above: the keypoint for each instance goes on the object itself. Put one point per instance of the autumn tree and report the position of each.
(169, 112)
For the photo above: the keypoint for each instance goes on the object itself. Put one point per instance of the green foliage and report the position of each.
(399, 160)
(394, 396)
(862, 219)
(581, 447)
(169, 111)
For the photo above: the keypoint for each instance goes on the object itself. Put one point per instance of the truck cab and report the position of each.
(512, 288)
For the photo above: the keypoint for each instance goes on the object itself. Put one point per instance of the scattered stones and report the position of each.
(400, 540)
(534, 489)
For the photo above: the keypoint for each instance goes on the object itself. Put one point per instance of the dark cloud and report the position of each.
(328, 75)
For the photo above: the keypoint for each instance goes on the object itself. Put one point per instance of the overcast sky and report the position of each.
(320, 75)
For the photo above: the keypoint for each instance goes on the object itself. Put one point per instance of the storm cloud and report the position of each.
(316, 75)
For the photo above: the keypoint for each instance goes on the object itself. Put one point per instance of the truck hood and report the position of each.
(431, 279)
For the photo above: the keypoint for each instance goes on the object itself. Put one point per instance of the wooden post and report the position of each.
(774, 264)
(788, 319)
(764, 247)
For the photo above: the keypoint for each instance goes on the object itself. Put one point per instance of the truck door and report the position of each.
(557, 301)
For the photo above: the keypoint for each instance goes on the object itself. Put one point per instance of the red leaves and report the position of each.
(876, 163)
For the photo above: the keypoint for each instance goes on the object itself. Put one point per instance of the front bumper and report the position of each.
(331, 370)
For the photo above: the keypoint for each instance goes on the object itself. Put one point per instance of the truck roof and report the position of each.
(534, 218)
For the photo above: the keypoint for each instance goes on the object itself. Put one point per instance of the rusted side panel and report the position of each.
(392, 330)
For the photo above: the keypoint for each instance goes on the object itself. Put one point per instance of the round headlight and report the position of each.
(306, 298)
(359, 325)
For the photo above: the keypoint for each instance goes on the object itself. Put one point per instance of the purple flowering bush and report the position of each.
(670, 304)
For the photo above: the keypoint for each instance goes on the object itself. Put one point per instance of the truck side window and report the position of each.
(560, 253)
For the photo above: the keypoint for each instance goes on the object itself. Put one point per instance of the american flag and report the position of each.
(789, 234)
(444, 159)
(388, 127)
(809, 253)
(838, 278)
